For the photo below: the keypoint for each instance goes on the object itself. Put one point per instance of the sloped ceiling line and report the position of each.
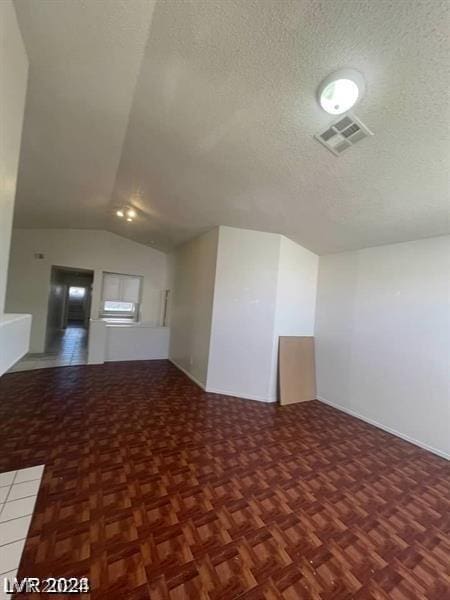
(203, 114)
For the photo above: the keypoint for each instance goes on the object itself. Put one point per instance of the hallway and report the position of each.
(68, 347)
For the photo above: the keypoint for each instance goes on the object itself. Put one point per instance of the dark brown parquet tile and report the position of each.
(156, 490)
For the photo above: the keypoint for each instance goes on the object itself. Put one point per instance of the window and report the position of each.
(118, 306)
(120, 296)
(119, 310)
(77, 293)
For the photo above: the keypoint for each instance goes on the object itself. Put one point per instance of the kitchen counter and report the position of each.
(14, 339)
(130, 324)
(111, 340)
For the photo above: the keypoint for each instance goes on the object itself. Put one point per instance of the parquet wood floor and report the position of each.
(155, 489)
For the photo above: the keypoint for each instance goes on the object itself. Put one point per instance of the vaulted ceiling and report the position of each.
(203, 113)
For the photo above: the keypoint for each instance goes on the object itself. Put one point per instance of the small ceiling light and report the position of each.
(119, 213)
(129, 219)
(340, 91)
(131, 213)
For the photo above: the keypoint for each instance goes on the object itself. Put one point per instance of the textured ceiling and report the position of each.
(84, 63)
(202, 114)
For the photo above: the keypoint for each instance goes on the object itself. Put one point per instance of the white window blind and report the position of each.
(111, 287)
(130, 289)
(121, 288)
(120, 296)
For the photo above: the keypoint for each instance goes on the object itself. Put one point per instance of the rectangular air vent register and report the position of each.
(343, 134)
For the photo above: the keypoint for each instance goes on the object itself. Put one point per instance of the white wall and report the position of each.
(296, 296)
(13, 83)
(14, 339)
(296, 289)
(242, 334)
(14, 329)
(125, 342)
(191, 304)
(29, 278)
(383, 338)
(142, 342)
(235, 292)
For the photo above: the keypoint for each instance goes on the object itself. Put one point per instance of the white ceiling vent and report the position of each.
(343, 134)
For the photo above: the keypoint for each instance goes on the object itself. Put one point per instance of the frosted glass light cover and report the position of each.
(339, 96)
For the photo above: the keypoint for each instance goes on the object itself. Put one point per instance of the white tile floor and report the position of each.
(18, 493)
(67, 349)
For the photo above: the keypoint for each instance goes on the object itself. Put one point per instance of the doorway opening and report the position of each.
(69, 308)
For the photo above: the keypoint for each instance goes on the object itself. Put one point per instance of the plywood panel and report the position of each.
(297, 369)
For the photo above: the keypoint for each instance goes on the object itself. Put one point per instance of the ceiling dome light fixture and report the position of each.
(340, 91)
(127, 212)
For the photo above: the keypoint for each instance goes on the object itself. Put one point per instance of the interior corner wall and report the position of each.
(296, 296)
(191, 305)
(98, 251)
(242, 332)
(383, 338)
(235, 291)
(13, 83)
(296, 290)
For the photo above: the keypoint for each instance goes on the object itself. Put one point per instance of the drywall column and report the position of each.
(265, 287)
(14, 329)
(296, 296)
(191, 305)
(383, 338)
(242, 332)
(235, 292)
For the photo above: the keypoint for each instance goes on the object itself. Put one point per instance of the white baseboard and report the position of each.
(244, 396)
(385, 428)
(216, 391)
(186, 372)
